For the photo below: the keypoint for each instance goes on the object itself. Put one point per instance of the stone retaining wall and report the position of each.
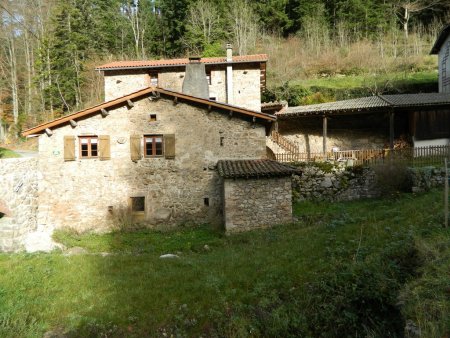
(257, 203)
(18, 201)
(325, 181)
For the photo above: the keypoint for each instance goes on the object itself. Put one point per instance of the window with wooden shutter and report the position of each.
(135, 147)
(169, 146)
(69, 148)
(104, 147)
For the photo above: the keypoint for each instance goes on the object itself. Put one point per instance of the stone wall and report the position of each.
(324, 181)
(89, 194)
(18, 201)
(256, 203)
(246, 83)
(425, 178)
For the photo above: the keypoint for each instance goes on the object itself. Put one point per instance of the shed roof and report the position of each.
(254, 169)
(116, 65)
(369, 104)
(122, 101)
(440, 39)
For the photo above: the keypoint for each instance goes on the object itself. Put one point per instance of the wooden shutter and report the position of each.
(169, 146)
(135, 147)
(69, 148)
(104, 146)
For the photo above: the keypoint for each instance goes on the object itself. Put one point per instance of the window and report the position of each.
(152, 118)
(88, 146)
(208, 76)
(153, 145)
(154, 79)
(213, 98)
(137, 204)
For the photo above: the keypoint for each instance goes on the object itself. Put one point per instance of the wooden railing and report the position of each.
(284, 143)
(433, 155)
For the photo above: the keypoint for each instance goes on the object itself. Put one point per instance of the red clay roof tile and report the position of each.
(179, 62)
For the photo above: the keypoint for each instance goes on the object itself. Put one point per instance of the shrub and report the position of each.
(392, 178)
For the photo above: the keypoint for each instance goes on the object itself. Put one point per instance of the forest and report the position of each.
(49, 48)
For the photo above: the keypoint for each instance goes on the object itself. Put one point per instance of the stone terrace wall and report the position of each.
(257, 203)
(334, 183)
(18, 200)
(330, 182)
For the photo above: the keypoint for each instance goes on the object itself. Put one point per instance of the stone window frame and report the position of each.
(154, 148)
(89, 138)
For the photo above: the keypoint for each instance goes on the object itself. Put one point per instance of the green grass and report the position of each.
(364, 267)
(371, 80)
(7, 153)
(340, 87)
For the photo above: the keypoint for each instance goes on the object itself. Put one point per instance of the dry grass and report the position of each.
(295, 58)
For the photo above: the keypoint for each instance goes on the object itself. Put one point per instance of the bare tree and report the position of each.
(203, 21)
(410, 7)
(244, 25)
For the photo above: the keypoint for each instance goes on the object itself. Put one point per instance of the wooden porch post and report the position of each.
(325, 135)
(391, 130)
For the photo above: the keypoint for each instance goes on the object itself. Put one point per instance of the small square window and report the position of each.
(152, 118)
(153, 145)
(88, 146)
(213, 98)
(208, 76)
(137, 204)
(154, 79)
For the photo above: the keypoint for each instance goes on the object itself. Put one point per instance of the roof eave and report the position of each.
(440, 40)
(268, 118)
(179, 65)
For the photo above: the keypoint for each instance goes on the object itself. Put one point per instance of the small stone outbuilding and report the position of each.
(257, 193)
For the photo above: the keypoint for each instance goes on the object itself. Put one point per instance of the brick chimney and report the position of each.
(195, 82)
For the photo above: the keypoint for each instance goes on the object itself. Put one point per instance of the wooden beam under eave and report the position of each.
(104, 112)
(230, 114)
(391, 130)
(73, 123)
(130, 103)
(325, 132)
(49, 132)
(175, 100)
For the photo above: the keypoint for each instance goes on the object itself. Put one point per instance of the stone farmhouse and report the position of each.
(236, 80)
(154, 155)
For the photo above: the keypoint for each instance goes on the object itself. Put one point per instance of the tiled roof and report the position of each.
(179, 62)
(336, 107)
(410, 100)
(121, 101)
(440, 39)
(253, 169)
(369, 104)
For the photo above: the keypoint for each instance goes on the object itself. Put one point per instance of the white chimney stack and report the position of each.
(229, 74)
(229, 52)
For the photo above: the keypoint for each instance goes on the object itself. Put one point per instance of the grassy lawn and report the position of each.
(7, 153)
(358, 268)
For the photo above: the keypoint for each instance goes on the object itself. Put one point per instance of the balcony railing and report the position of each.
(420, 156)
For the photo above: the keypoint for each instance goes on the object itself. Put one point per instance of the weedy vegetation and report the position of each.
(360, 269)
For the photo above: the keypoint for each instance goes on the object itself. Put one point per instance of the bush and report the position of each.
(392, 178)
